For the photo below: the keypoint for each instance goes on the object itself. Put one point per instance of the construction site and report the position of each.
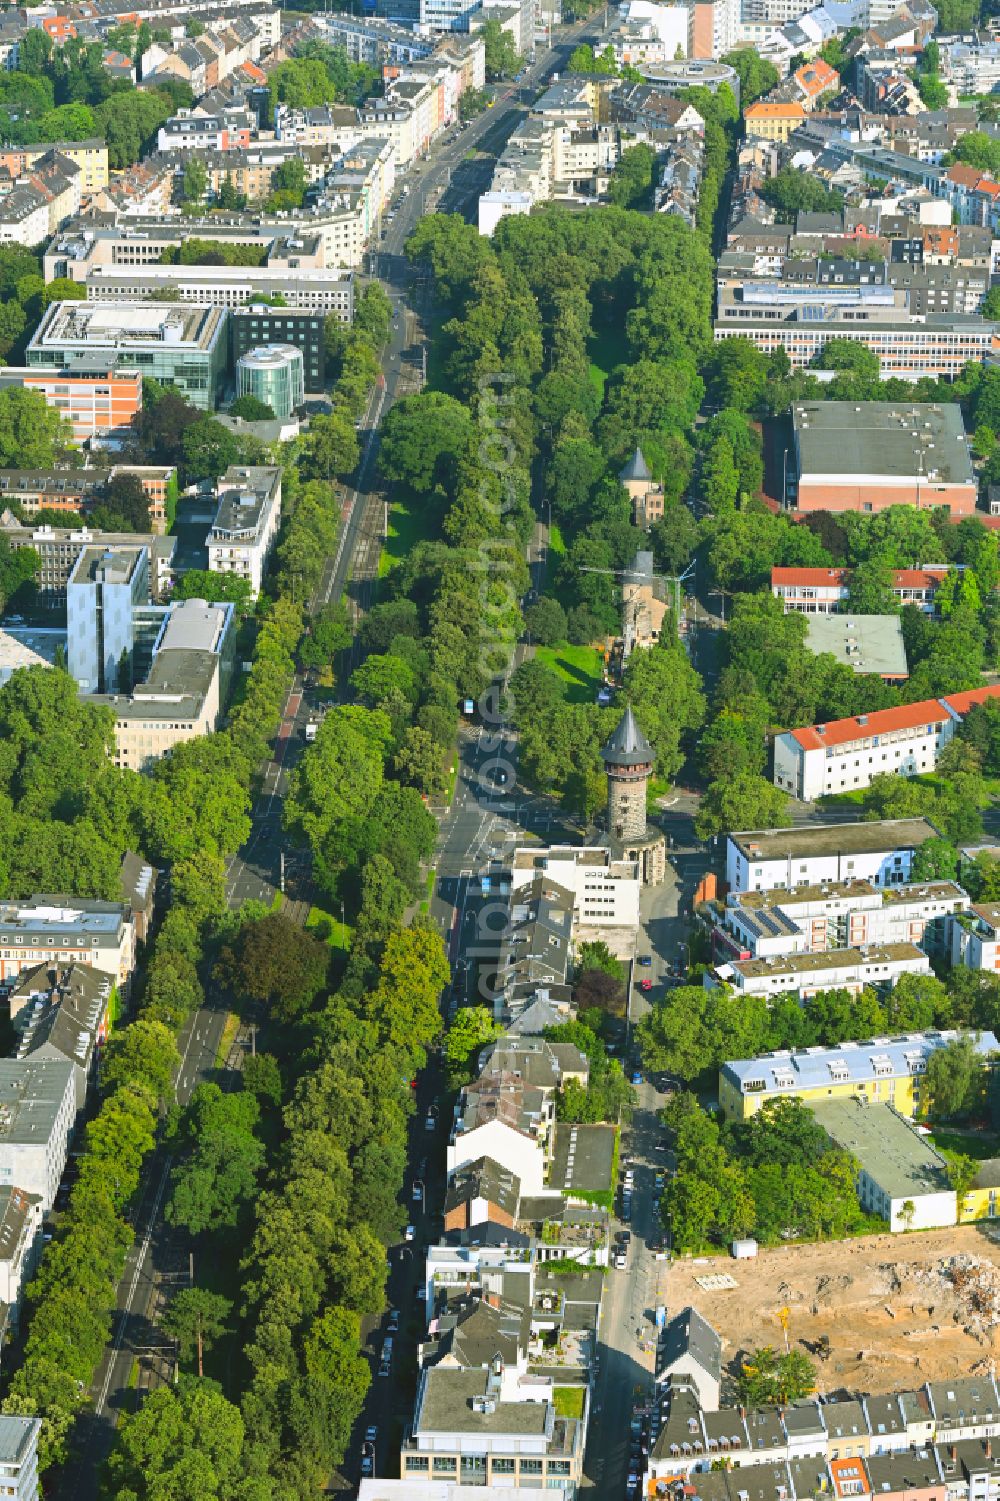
(885, 1313)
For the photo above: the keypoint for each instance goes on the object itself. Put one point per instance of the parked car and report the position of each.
(371, 1433)
(621, 1261)
(636, 1076)
(393, 1323)
(410, 1232)
(645, 984)
(418, 1194)
(645, 960)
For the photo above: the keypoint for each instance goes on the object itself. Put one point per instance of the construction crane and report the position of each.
(784, 1315)
(632, 575)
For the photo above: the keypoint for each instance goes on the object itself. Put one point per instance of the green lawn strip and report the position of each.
(981, 1146)
(568, 1401)
(334, 932)
(229, 1031)
(410, 522)
(578, 666)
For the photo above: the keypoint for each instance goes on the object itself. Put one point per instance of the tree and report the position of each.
(184, 1440)
(419, 763)
(276, 962)
(144, 1056)
(757, 76)
(545, 620)
(962, 1171)
(768, 1379)
(209, 448)
(128, 503)
(907, 1211)
(745, 801)
(194, 180)
(596, 990)
(502, 56)
(632, 179)
(196, 1317)
(472, 1028)
(251, 409)
(332, 445)
(219, 1159)
(329, 632)
(953, 1082)
(32, 434)
(935, 860)
(222, 588)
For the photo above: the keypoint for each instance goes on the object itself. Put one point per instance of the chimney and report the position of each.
(989, 1448)
(952, 1451)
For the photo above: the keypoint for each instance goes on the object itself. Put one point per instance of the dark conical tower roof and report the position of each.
(636, 468)
(628, 746)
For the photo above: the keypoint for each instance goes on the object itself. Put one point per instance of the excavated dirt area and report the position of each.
(897, 1310)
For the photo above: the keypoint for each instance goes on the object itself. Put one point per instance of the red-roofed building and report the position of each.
(844, 755)
(974, 195)
(814, 79)
(825, 591)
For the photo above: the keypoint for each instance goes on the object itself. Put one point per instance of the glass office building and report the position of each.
(274, 374)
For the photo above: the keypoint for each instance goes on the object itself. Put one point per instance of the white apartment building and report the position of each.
(20, 1245)
(826, 591)
(19, 1457)
(246, 523)
(882, 853)
(37, 1112)
(805, 974)
(605, 890)
(849, 914)
(846, 754)
(61, 930)
(975, 937)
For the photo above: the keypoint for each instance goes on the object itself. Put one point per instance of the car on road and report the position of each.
(371, 1433)
(410, 1232)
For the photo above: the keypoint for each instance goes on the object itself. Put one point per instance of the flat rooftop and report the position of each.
(582, 1158)
(865, 643)
(445, 1405)
(834, 839)
(32, 1091)
(172, 325)
(781, 896)
(106, 565)
(61, 917)
(808, 964)
(889, 440)
(902, 1163)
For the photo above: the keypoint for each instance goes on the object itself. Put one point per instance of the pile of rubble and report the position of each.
(969, 1282)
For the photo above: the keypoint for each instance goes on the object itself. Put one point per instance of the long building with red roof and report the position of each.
(845, 754)
(825, 591)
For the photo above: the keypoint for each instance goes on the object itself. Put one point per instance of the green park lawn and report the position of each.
(579, 666)
(409, 523)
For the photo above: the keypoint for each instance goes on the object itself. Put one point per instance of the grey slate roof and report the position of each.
(628, 746)
(690, 1337)
(636, 468)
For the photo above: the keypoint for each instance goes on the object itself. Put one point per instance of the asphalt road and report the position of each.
(479, 817)
(132, 1329)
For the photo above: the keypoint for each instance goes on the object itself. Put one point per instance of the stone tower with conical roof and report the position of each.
(628, 761)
